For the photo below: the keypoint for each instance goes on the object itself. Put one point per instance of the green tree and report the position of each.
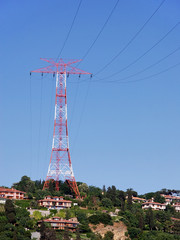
(176, 227)
(150, 218)
(100, 218)
(3, 222)
(95, 192)
(149, 195)
(37, 215)
(66, 234)
(134, 232)
(158, 198)
(51, 186)
(42, 230)
(122, 197)
(109, 235)
(78, 237)
(10, 211)
(50, 234)
(104, 190)
(140, 218)
(34, 204)
(25, 184)
(83, 187)
(129, 199)
(170, 209)
(23, 217)
(111, 193)
(68, 214)
(106, 202)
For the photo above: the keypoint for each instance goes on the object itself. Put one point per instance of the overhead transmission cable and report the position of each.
(131, 40)
(145, 53)
(87, 52)
(149, 67)
(40, 122)
(151, 76)
(101, 30)
(140, 57)
(50, 116)
(141, 71)
(65, 41)
(31, 136)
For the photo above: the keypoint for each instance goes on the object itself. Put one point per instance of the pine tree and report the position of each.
(129, 200)
(150, 218)
(10, 211)
(42, 230)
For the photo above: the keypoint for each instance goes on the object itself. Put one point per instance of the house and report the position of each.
(58, 223)
(176, 207)
(154, 205)
(54, 202)
(11, 193)
(169, 198)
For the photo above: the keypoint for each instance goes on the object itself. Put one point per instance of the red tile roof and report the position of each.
(175, 219)
(137, 198)
(54, 200)
(163, 204)
(60, 220)
(2, 189)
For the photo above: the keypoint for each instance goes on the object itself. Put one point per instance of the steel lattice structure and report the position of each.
(60, 166)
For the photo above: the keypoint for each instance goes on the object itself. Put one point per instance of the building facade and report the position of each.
(154, 205)
(171, 199)
(54, 202)
(11, 193)
(58, 223)
(176, 207)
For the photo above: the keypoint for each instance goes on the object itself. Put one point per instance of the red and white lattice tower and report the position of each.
(60, 166)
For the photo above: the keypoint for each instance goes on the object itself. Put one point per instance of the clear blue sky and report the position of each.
(124, 133)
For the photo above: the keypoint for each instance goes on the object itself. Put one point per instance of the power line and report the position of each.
(148, 77)
(145, 53)
(81, 117)
(101, 30)
(140, 57)
(151, 66)
(131, 40)
(85, 55)
(65, 41)
(50, 116)
(31, 138)
(40, 120)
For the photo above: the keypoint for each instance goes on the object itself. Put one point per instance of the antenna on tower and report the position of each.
(60, 166)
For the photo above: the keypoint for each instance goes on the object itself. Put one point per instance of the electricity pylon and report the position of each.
(60, 166)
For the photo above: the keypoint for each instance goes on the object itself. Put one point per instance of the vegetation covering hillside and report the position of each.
(99, 207)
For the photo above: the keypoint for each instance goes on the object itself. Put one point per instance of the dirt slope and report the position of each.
(118, 229)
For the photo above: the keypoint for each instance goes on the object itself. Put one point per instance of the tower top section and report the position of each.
(60, 66)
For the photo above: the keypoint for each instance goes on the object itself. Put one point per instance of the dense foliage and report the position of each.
(97, 203)
(14, 223)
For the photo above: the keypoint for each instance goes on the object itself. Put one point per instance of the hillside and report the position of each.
(119, 229)
(107, 213)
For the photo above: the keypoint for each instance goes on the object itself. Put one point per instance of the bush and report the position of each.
(106, 202)
(109, 235)
(23, 203)
(134, 232)
(100, 218)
